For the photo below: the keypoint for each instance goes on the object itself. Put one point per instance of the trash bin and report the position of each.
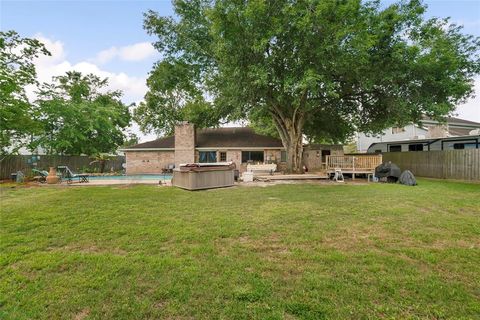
(13, 176)
(20, 177)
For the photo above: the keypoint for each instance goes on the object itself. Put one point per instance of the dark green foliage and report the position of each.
(130, 140)
(78, 116)
(17, 70)
(321, 68)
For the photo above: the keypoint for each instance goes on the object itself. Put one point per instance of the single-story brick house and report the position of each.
(240, 145)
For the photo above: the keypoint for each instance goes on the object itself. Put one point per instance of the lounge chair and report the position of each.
(69, 175)
(169, 168)
(40, 175)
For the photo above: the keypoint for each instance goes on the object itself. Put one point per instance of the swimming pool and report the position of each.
(134, 177)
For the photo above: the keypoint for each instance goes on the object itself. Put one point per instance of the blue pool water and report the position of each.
(134, 177)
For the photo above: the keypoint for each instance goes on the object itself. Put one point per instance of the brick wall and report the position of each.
(148, 162)
(184, 143)
(152, 162)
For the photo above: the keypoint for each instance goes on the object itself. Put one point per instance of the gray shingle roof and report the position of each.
(453, 120)
(239, 137)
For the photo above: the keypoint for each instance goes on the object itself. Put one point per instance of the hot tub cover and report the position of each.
(214, 166)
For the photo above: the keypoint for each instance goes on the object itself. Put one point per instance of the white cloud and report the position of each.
(133, 88)
(138, 51)
(135, 52)
(471, 109)
(106, 55)
(56, 48)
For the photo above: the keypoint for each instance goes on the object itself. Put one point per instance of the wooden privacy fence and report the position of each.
(446, 164)
(26, 163)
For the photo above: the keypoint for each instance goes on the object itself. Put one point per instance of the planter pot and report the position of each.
(52, 177)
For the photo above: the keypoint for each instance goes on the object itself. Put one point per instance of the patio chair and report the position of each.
(169, 168)
(338, 177)
(40, 175)
(69, 175)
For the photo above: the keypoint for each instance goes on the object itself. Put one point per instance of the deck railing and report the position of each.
(354, 163)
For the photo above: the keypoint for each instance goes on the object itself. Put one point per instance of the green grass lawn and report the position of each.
(283, 252)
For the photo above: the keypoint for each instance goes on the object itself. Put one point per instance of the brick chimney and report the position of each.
(184, 143)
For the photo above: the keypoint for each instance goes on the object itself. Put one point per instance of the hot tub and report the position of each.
(198, 176)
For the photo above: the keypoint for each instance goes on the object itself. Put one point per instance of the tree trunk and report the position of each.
(294, 149)
(291, 133)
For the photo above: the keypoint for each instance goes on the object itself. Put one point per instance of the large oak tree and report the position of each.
(324, 68)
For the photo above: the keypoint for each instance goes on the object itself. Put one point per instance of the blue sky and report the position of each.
(107, 37)
(85, 27)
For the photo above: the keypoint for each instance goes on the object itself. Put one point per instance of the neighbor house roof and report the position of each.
(239, 137)
(459, 131)
(455, 121)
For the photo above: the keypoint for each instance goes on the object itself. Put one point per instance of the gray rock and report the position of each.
(407, 178)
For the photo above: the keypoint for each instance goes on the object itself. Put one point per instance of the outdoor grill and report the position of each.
(388, 172)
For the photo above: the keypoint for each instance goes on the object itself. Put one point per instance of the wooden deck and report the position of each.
(353, 164)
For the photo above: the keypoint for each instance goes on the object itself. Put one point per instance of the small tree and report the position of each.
(17, 70)
(101, 159)
(131, 139)
(324, 69)
(79, 116)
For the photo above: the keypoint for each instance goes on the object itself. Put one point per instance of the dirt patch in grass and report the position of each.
(82, 314)
(89, 249)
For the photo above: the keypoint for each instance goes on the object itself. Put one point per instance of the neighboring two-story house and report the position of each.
(426, 129)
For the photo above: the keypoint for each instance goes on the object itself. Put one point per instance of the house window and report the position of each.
(283, 156)
(325, 153)
(252, 156)
(395, 148)
(207, 156)
(460, 146)
(223, 156)
(415, 147)
(397, 130)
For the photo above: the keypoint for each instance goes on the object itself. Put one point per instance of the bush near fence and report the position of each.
(446, 164)
(25, 163)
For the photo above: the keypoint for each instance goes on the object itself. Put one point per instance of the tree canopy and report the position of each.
(17, 70)
(324, 69)
(79, 116)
